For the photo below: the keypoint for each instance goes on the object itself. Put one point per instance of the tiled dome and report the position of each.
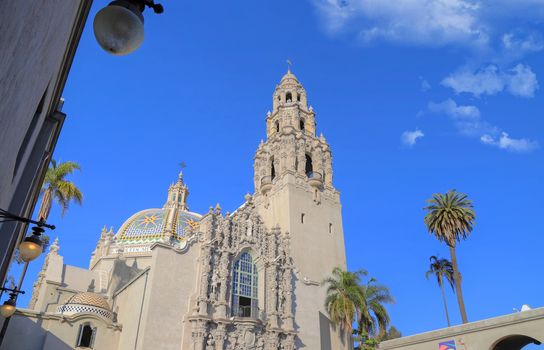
(150, 225)
(86, 303)
(88, 298)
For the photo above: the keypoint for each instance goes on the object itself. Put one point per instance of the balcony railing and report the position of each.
(314, 175)
(265, 180)
(315, 179)
(246, 311)
(266, 184)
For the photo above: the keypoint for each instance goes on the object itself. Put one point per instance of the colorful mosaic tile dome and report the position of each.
(150, 225)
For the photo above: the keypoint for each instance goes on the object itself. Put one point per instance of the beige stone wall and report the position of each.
(481, 335)
(172, 280)
(37, 44)
(128, 304)
(33, 331)
(315, 250)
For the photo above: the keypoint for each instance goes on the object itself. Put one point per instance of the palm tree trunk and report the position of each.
(45, 206)
(458, 289)
(445, 304)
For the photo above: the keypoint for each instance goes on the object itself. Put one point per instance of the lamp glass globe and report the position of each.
(29, 250)
(118, 30)
(7, 310)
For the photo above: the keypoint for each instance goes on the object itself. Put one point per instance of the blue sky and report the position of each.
(415, 97)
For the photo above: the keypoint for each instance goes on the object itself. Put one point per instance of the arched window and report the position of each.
(288, 97)
(298, 97)
(85, 338)
(244, 287)
(272, 169)
(301, 124)
(309, 167)
(277, 126)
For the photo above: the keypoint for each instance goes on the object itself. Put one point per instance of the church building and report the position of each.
(172, 279)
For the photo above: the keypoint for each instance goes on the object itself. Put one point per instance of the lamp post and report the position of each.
(8, 308)
(30, 248)
(119, 27)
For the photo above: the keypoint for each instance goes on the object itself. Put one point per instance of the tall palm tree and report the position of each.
(57, 188)
(442, 270)
(373, 319)
(450, 218)
(344, 297)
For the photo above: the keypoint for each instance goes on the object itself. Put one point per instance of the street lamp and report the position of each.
(119, 27)
(9, 306)
(32, 246)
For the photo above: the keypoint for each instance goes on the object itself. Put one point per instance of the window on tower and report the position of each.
(272, 169)
(277, 126)
(288, 97)
(244, 287)
(309, 166)
(298, 97)
(301, 124)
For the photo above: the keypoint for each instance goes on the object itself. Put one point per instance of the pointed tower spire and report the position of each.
(54, 248)
(177, 194)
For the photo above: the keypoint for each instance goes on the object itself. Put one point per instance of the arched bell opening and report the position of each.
(288, 97)
(272, 169)
(309, 169)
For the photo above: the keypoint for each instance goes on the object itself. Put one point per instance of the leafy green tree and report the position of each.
(392, 333)
(344, 297)
(442, 269)
(373, 318)
(349, 299)
(450, 218)
(57, 188)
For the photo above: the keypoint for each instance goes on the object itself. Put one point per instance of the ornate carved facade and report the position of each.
(218, 321)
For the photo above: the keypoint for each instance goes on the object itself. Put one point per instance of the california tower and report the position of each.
(294, 191)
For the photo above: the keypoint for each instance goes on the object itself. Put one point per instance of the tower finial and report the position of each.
(182, 166)
(289, 64)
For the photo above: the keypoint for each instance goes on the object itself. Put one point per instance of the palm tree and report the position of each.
(373, 318)
(344, 297)
(441, 269)
(451, 219)
(392, 333)
(56, 187)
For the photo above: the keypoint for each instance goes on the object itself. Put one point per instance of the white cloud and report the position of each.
(466, 119)
(431, 22)
(510, 144)
(519, 81)
(522, 81)
(409, 138)
(520, 42)
(452, 109)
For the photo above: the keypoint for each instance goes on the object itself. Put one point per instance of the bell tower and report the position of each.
(294, 191)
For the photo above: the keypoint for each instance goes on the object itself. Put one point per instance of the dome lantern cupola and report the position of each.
(177, 194)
